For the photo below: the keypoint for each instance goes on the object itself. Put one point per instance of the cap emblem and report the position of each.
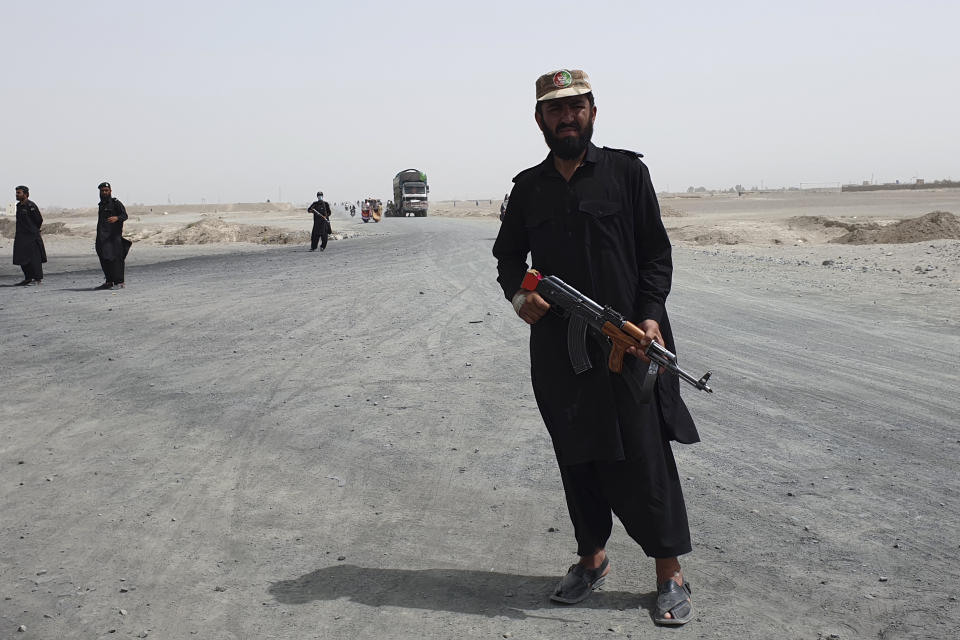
(562, 79)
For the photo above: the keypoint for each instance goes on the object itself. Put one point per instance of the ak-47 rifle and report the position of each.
(623, 334)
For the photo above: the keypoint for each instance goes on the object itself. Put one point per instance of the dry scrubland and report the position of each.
(256, 441)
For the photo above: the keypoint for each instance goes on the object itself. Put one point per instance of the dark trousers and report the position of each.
(321, 230)
(645, 496)
(112, 270)
(32, 270)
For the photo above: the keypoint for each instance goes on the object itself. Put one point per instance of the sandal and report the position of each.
(579, 583)
(675, 600)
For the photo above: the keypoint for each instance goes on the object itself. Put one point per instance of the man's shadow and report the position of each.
(456, 590)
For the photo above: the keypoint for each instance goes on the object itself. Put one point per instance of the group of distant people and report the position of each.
(30, 253)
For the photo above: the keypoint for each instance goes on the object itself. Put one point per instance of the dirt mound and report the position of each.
(666, 211)
(936, 225)
(717, 236)
(8, 228)
(210, 231)
(821, 222)
(59, 228)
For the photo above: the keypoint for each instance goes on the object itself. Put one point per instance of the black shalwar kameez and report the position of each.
(110, 245)
(28, 249)
(321, 224)
(601, 233)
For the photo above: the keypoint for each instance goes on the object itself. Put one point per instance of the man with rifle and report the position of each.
(321, 222)
(589, 216)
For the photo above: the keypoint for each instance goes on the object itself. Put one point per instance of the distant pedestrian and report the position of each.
(111, 246)
(28, 249)
(321, 222)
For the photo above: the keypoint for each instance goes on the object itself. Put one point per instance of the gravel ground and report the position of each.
(263, 442)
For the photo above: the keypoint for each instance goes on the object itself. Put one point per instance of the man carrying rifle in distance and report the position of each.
(321, 222)
(590, 216)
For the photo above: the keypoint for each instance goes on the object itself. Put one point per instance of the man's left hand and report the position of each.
(651, 333)
(112, 219)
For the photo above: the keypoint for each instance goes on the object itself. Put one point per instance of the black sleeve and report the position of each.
(512, 246)
(654, 261)
(120, 210)
(36, 217)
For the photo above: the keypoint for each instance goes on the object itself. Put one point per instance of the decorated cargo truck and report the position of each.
(409, 194)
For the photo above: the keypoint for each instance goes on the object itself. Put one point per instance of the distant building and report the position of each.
(11, 210)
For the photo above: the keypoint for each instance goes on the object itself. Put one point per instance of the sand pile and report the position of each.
(8, 228)
(59, 228)
(936, 225)
(211, 231)
(821, 222)
(715, 236)
(666, 211)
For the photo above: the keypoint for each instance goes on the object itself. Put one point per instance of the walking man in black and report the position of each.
(28, 249)
(111, 246)
(590, 216)
(321, 222)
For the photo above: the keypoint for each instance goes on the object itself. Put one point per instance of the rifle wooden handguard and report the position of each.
(622, 339)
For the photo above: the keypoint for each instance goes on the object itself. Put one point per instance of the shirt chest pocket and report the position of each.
(541, 233)
(602, 223)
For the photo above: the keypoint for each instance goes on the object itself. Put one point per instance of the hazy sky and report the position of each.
(245, 101)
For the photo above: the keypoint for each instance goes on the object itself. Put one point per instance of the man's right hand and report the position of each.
(533, 306)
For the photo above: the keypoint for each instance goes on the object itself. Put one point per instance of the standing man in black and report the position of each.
(28, 249)
(321, 222)
(110, 244)
(590, 216)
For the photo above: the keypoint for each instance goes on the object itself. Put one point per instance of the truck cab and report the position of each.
(410, 193)
(415, 198)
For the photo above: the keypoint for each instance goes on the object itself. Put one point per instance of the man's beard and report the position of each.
(569, 147)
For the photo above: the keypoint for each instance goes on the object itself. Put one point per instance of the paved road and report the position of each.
(285, 444)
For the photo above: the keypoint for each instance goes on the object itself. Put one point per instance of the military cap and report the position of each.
(562, 83)
(104, 184)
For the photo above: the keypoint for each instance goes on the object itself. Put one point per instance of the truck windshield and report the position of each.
(418, 189)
